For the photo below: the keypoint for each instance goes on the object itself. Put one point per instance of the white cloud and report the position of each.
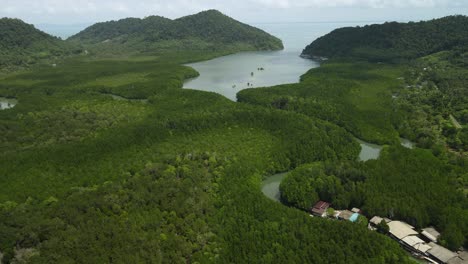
(72, 11)
(360, 3)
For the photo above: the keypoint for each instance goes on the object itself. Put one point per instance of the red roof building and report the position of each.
(320, 209)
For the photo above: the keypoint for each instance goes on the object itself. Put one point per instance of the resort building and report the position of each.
(400, 230)
(442, 254)
(416, 244)
(348, 215)
(320, 209)
(377, 219)
(430, 234)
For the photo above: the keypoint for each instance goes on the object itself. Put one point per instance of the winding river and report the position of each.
(270, 186)
(230, 74)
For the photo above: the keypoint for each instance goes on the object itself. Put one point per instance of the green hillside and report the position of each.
(22, 44)
(393, 41)
(208, 30)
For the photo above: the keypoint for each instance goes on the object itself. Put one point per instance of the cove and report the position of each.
(230, 74)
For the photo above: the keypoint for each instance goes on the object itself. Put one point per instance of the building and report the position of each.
(430, 234)
(441, 254)
(345, 215)
(461, 259)
(400, 230)
(354, 217)
(320, 209)
(377, 219)
(356, 210)
(416, 244)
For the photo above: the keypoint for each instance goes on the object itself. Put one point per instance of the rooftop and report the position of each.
(416, 243)
(345, 214)
(441, 253)
(321, 205)
(431, 234)
(354, 217)
(320, 208)
(376, 220)
(401, 230)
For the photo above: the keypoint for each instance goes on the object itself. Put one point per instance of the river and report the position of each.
(270, 186)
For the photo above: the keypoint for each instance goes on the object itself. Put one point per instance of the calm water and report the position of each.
(369, 151)
(230, 74)
(270, 186)
(6, 103)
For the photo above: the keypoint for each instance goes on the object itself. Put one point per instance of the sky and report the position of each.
(66, 12)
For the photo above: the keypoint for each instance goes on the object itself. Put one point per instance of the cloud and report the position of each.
(98, 10)
(360, 3)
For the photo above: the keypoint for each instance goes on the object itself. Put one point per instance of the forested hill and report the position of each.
(22, 44)
(393, 41)
(208, 30)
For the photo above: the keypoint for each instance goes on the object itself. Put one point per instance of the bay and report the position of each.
(230, 74)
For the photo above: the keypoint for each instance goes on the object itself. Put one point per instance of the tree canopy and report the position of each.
(392, 41)
(207, 30)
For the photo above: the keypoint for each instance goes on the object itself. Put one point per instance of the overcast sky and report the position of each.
(250, 11)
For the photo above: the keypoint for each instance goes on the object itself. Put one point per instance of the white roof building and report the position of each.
(376, 220)
(431, 234)
(441, 253)
(416, 243)
(401, 230)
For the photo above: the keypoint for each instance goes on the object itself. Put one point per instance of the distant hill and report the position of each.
(393, 41)
(22, 44)
(208, 30)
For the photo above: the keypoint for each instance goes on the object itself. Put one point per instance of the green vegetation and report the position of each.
(422, 98)
(168, 180)
(166, 175)
(410, 185)
(435, 101)
(22, 45)
(208, 31)
(391, 42)
(356, 96)
(383, 227)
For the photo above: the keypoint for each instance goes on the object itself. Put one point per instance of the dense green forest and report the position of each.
(410, 185)
(435, 101)
(110, 161)
(208, 30)
(392, 41)
(356, 96)
(423, 99)
(170, 179)
(22, 45)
